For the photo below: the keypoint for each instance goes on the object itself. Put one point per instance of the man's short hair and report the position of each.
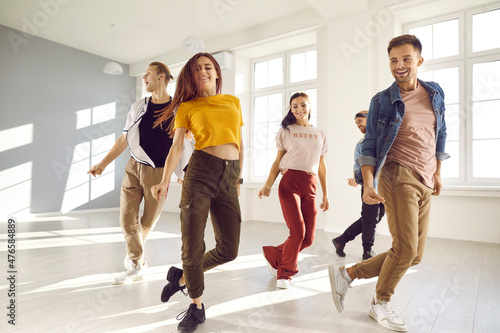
(403, 40)
(361, 114)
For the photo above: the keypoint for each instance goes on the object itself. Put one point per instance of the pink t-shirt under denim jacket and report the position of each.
(303, 145)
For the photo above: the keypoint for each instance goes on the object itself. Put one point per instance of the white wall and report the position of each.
(352, 67)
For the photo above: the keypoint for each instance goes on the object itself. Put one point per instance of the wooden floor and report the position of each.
(65, 267)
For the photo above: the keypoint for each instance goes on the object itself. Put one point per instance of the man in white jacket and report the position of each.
(149, 148)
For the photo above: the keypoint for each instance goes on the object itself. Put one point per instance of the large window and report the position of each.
(462, 53)
(274, 80)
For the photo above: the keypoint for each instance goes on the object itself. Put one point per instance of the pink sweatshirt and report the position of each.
(303, 145)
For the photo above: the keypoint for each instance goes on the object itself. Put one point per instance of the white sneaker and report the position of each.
(339, 286)
(283, 283)
(128, 263)
(135, 274)
(384, 314)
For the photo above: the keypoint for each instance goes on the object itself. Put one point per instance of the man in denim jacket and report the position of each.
(404, 147)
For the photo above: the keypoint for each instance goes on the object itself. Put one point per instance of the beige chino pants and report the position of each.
(407, 204)
(136, 185)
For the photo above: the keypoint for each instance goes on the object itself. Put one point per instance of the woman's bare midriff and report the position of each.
(227, 151)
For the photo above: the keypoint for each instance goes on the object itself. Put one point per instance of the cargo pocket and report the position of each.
(185, 204)
(186, 207)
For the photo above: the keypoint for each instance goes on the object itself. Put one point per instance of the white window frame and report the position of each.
(464, 61)
(285, 89)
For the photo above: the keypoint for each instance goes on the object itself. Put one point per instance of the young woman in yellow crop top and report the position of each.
(212, 179)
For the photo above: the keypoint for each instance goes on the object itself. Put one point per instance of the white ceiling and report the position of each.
(148, 28)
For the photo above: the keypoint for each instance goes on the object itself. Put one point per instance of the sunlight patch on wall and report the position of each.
(15, 190)
(95, 115)
(16, 137)
(82, 187)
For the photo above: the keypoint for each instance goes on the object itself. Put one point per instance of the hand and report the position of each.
(159, 191)
(97, 169)
(438, 185)
(325, 205)
(265, 191)
(370, 196)
(352, 182)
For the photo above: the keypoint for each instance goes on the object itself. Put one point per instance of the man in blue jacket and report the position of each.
(404, 147)
(370, 214)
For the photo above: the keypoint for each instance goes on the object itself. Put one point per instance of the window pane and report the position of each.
(425, 35)
(450, 167)
(486, 81)
(260, 139)
(275, 107)
(426, 76)
(260, 75)
(260, 109)
(272, 130)
(275, 72)
(452, 122)
(448, 80)
(485, 117)
(485, 27)
(311, 65)
(260, 163)
(445, 39)
(297, 67)
(485, 158)
(171, 88)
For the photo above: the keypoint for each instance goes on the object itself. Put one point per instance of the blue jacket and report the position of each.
(384, 119)
(358, 152)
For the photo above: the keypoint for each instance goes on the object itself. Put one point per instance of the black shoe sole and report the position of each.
(173, 277)
(340, 253)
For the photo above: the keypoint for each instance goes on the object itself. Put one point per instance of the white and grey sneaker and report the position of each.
(339, 286)
(135, 274)
(384, 314)
(128, 263)
(283, 283)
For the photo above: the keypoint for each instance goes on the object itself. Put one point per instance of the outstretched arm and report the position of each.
(116, 150)
(273, 174)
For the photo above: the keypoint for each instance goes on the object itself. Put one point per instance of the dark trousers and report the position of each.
(209, 186)
(365, 225)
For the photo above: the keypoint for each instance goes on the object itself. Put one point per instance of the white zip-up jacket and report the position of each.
(134, 117)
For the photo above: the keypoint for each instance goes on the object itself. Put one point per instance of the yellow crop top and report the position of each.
(213, 120)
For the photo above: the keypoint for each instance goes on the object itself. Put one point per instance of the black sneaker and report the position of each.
(368, 254)
(173, 276)
(339, 247)
(191, 318)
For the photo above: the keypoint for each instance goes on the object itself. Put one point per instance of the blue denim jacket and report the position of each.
(384, 119)
(358, 152)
